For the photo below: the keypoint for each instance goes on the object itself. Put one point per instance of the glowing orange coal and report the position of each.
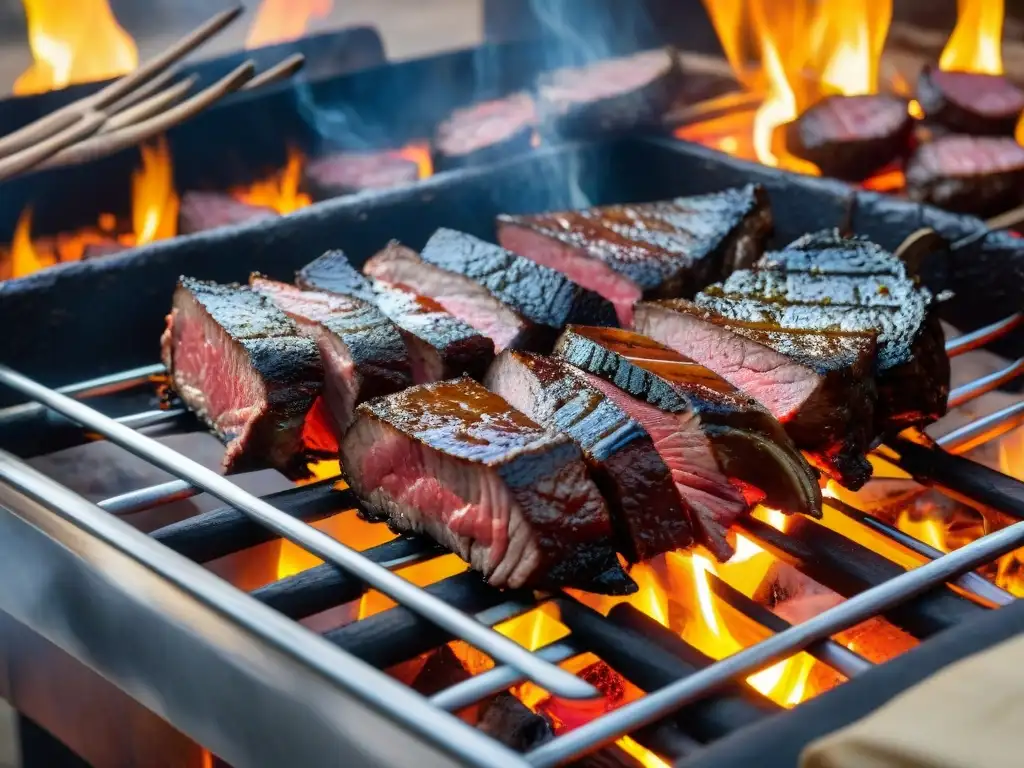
(281, 21)
(74, 41)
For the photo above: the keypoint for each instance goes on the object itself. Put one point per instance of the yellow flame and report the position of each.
(280, 21)
(73, 41)
(24, 258)
(976, 44)
(643, 755)
(154, 200)
(281, 190)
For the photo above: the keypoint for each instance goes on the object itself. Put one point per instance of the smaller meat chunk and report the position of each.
(200, 211)
(345, 173)
(969, 102)
(486, 132)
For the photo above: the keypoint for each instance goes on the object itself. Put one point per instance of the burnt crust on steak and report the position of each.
(486, 132)
(970, 102)
(511, 498)
(245, 369)
(648, 514)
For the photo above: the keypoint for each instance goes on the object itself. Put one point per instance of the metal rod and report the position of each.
(987, 427)
(983, 336)
(500, 648)
(147, 498)
(970, 582)
(829, 652)
(984, 384)
(853, 611)
(497, 679)
(144, 418)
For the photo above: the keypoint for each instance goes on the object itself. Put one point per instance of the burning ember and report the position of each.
(74, 41)
(279, 192)
(281, 21)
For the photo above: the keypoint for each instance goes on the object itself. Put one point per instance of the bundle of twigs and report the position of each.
(133, 108)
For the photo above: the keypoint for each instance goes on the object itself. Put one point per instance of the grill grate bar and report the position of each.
(983, 430)
(320, 544)
(148, 497)
(985, 335)
(985, 384)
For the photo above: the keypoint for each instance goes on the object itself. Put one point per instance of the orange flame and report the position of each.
(279, 191)
(419, 153)
(976, 44)
(24, 259)
(73, 41)
(280, 21)
(154, 200)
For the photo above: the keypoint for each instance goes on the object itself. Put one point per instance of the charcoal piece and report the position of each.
(612, 96)
(983, 175)
(486, 132)
(969, 102)
(512, 499)
(345, 173)
(200, 211)
(852, 137)
(511, 722)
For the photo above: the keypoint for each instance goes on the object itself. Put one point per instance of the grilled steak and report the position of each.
(362, 352)
(983, 175)
(344, 173)
(852, 137)
(819, 384)
(723, 448)
(796, 289)
(654, 250)
(623, 95)
(646, 508)
(967, 102)
(517, 303)
(510, 497)
(243, 367)
(200, 211)
(440, 345)
(486, 132)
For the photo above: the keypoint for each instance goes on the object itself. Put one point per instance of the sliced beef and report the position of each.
(344, 173)
(655, 250)
(852, 137)
(486, 132)
(200, 211)
(724, 449)
(363, 354)
(983, 175)
(245, 369)
(623, 95)
(517, 303)
(637, 484)
(968, 102)
(819, 384)
(511, 498)
(440, 345)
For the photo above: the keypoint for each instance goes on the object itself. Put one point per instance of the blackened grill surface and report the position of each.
(852, 137)
(486, 132)
(969, 102)
(279, 376)
(510, 497)
(621, 455)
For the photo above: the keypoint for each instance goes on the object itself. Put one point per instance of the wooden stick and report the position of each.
(149, 107)
(56, 121)
(165, 78)
(280, 71)
(86, 125)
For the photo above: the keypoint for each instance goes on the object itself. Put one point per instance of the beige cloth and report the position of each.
(969, 715)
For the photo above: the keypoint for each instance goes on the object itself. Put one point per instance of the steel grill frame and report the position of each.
(213, 534)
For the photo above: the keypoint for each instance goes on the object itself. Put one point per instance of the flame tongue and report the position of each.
(280, 21)
(977, 39)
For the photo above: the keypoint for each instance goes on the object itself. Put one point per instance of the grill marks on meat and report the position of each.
(622, 95)
(819, 384)
(654, 250)
(968, 102)
(362, 352)
(637, 484)
(517, 303)
(724, 450)
(347, 172)
(514, 500)
(440, 345)
(852, 137)
(200, 211)
(486, 132)
(972, 174)
(243, 367)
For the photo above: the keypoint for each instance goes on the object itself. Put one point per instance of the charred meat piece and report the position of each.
(200, 211)
(852, 137)
(637, 484)
(613, 96)
(983, 175)
(344, 173)
(724, 449)
(440, 345)
(517, 303)
(652, 250)
(245, 369)
(968, 102)
(819, 384)
(486, 132)
(362, 352)
(511, 498)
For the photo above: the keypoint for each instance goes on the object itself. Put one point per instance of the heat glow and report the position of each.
(976, 44)
(281, 21)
